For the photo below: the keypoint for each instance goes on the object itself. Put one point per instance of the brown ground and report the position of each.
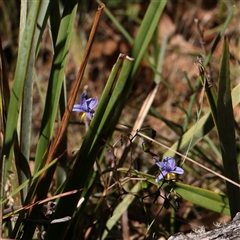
(183, 46)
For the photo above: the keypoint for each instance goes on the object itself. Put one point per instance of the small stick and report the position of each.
(191, 160)
(2, 193)
(18, 209)
(202, 41)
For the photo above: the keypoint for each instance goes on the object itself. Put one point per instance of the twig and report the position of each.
(39, 202)
(189, 159)
(1, 194)
(203, 45)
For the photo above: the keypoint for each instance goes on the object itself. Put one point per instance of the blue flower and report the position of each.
(86, 106)
(111, 155)
(168, 168)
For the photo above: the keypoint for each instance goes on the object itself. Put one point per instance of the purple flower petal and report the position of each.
(178, 170)
(89, 115)
(158, 163)
(93, 103)
(77, 108)
(171, 162)
(83, 98)
(168, 165)
(86, 106)
(159, 177)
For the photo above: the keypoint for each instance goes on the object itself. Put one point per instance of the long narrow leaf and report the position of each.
(55, 80)
(200, 129)
(122, 207)
(201, 197)
(26, 118)
(24, 184)
(226, 130)
(18, 82)
(52, 98)
(91, 145)
(204, 198)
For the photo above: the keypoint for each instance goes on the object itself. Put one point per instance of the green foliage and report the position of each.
(226, 130)
(110, 184)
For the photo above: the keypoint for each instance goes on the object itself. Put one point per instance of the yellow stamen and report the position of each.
(171, 176)
(81, 116)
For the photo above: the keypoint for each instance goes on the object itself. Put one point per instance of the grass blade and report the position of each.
(226, 130)
(200, 129)
(91, 145)
(19, 81)
(204, 198)
(122, 207)
(55, 80)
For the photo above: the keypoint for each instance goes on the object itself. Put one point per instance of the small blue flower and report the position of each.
(86, 106)
(168, 168)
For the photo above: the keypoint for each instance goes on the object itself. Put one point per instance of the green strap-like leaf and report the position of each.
(121, 207)
(18, 82)
(55, 80)
(80, 176)
(204, 198)
(200, 128)
(144, 35)
(226, 130)
(24, 184)
(26, 118)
